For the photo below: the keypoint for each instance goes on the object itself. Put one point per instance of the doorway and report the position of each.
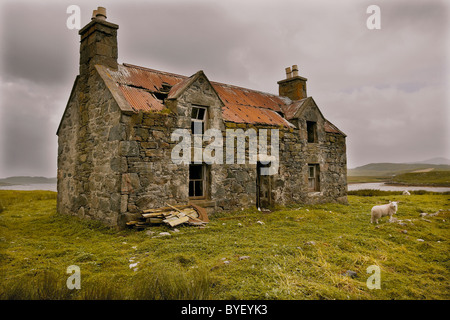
(263, 187)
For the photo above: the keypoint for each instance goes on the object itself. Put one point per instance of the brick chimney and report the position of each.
(294, 86)
(98, 43)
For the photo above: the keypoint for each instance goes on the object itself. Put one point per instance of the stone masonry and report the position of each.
(114, 157)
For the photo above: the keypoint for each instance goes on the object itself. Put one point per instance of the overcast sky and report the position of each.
(386, 89)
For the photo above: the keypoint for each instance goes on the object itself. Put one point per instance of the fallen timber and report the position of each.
(171, 215)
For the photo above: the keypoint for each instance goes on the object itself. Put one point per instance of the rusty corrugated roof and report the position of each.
(329, 127)
(141, 87)
(140, 99)
(146, 78)
(233, 95)
(291, 109)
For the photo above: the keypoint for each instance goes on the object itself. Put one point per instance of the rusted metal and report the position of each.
(291, 109)
(329, 127)
(144, 89)
(234, 95)
(141, 99)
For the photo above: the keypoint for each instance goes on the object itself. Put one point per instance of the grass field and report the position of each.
(300, 252)
(366, 179)
(431, 178)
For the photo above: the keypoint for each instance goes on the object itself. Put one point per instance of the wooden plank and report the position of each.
(197, 223)
(171, 218)
(178, 221)
(154, 214)
(173, 207)
(155, 220)
(162, 209)
(158, 214)
(192, 212)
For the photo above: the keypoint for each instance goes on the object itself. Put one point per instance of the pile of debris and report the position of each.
(172, 216)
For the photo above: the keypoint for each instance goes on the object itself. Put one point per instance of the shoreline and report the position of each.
(431, 185)
(399, 184)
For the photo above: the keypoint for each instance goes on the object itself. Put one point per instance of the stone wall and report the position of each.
(113, 164)
(88, 154)
(68, 153)
(149, 179)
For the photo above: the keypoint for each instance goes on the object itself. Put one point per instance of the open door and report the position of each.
(263, 187)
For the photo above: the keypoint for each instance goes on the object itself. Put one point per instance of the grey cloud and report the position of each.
(35, 43)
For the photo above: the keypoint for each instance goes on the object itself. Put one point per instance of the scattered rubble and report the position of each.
(164, 234)
(350, 273)
(424, 214)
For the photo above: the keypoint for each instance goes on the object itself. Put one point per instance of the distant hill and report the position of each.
(390, 169)
(439, 160)
(26, 180)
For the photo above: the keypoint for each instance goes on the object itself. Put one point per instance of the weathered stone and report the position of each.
(129, 148)
(113, 160)
(165, 234)
(116, 132)
(351, 274)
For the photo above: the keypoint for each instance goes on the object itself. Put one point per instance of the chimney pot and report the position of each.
(295, 70)
(288, 73)
(94, 14)
(100, 13)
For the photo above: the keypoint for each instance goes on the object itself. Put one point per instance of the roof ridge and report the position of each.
(153, 70)
(185, 77)
(240, 87)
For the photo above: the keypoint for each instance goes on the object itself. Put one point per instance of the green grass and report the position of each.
(37, 245)
(364, 179)
(390, 169)
(432, 178)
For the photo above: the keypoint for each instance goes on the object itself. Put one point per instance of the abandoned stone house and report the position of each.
(115, 139)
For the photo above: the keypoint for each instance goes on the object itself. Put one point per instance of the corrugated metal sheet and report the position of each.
(177, 88)
(291, 109)
(249, 114)
(143, 77)
(233, 96)
(140, 99)
(329, 127)
(141, 87)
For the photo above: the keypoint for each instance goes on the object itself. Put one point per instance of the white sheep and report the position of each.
(406, 193)
(388, 209)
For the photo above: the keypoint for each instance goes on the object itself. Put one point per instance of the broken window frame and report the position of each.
(200, 182)
(199, 114)
(313, 177)
(311, 131)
